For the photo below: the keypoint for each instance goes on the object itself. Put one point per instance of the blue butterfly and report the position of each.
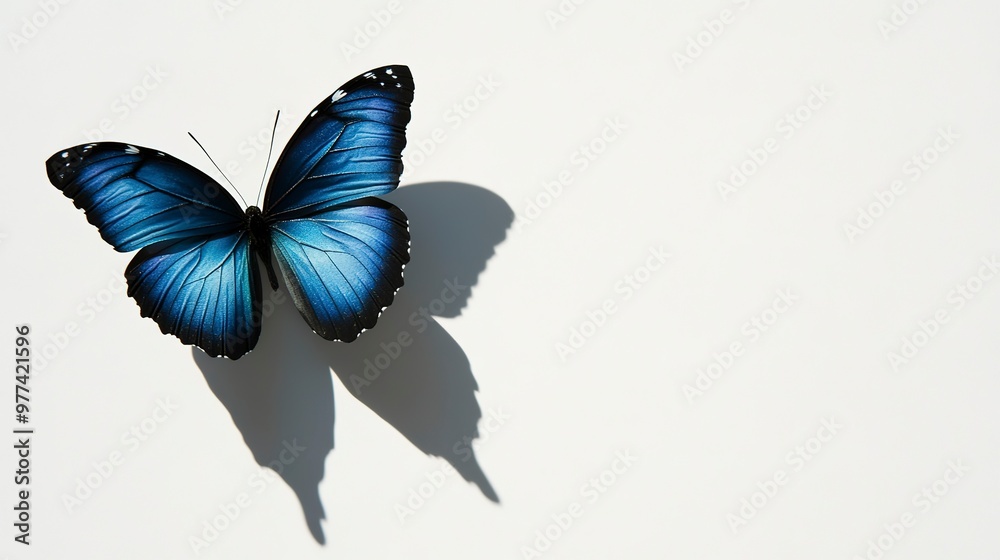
(341, 251)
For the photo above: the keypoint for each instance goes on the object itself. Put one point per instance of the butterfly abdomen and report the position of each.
(260, 241)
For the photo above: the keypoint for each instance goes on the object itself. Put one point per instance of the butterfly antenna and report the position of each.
(273, 130)
(219, 168)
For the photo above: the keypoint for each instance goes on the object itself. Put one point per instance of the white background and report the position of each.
(560, 419)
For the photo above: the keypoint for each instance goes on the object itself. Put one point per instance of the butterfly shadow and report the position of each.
(407, 369)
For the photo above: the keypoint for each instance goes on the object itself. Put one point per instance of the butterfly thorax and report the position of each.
(260, 241)
(259, 234)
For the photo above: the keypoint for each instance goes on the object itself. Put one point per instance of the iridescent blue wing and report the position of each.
(340, 250)
(138, 196)
(347, 148)
(195, 274)
(204, 290)
(343, 265)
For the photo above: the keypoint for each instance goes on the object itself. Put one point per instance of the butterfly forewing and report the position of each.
(138, 196)
(348, 147)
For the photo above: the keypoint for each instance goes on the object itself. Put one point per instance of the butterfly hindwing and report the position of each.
(204, 290)
(138, 196)
(344, 265)
(349, 147)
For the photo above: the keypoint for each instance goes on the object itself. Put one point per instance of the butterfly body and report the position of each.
(260, 241)
(340, 249)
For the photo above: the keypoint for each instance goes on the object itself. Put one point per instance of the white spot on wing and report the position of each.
(337, 95)
(130, 149)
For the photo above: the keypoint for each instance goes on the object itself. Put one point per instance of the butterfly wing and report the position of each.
(347, 148)
(137, 196)
(205, 291)
(340, 250)
(343, 265)
(194, 274)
